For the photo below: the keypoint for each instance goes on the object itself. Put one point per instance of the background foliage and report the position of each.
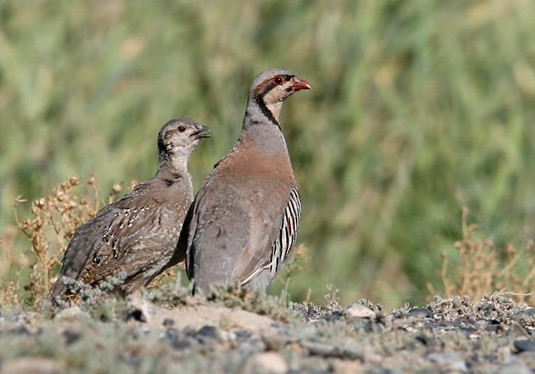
(417, 109)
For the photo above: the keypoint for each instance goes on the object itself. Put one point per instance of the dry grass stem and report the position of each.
(48, 226)
(483, 269)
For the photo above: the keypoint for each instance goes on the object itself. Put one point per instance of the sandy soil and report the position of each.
(491, 335)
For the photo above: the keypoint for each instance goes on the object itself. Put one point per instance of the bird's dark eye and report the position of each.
(182, 128)
(278, 79)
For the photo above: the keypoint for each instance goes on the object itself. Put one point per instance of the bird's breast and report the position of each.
(254, 165)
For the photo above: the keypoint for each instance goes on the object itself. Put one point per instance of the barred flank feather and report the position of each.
(288, 232)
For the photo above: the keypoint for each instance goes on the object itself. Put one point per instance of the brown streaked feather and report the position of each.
(127, 240)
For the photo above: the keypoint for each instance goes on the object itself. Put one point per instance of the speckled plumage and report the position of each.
(138, 233)
(245, 217)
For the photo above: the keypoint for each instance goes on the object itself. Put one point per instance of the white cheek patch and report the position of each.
(273, 96)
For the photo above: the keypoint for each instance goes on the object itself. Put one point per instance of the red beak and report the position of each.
(300, 84)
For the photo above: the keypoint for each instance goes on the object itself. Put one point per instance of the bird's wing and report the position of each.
(234, 231)
(215, 228)
(86, 239)
(113, 239)
(268, 248)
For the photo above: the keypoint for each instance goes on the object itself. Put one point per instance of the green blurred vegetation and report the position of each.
(417, 109)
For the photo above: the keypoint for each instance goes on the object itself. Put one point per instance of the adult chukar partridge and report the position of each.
(137, 234)
(244, 219)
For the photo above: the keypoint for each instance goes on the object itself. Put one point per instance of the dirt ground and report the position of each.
(244, 334)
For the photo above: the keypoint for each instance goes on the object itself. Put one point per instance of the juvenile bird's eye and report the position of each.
(278, 79)
(181, 129)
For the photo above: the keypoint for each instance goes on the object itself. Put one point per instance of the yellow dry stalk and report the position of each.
(53, 220)
(481, 271)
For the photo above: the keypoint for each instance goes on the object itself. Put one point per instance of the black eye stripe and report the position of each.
(264, 88)
(272, 84)
(283, 78)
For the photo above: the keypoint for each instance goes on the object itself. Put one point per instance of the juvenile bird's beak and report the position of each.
(202, 132)
(300, 84)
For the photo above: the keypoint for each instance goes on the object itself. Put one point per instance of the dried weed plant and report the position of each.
(483, 269)
(49, 226)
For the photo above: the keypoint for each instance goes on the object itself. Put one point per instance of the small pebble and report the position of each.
(267, 362)
(208, 333)
(357, 310)
(207, 330)
(168, 322)
(452, 361)
(243, 334)
(70, 336)
(180, 343)
(319, 349)
(420, 312)
(189, 331)
(171, 332)
(524, 345)
(72, 313)
(346, 366)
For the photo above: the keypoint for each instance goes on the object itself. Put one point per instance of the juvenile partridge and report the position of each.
(244, 219)
(137, 234)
